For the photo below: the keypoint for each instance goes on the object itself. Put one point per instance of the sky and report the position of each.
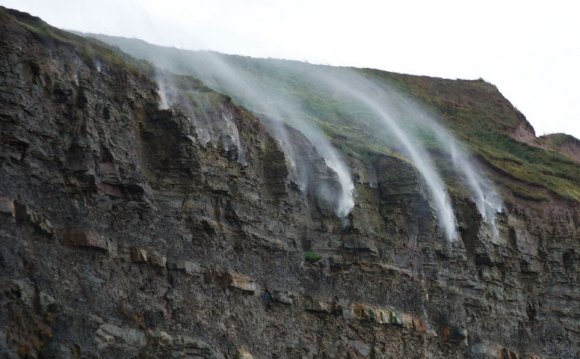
(529, 49)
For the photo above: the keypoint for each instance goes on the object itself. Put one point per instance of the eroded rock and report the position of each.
(110, 334)
(240, 281)
(83, 239)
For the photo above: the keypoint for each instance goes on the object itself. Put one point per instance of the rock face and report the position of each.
(131, 231)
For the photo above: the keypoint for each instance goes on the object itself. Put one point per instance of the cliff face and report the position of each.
(130, 231)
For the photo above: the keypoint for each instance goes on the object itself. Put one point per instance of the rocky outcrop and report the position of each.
(127, 230)
(566, 145)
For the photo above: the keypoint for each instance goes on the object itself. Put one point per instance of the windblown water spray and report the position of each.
(484, 194)
(223, 132)
(230, 137)
(371, 97)
(162, 93)
(266, 87)
(486, 198)
(345, 201)
(280, 108)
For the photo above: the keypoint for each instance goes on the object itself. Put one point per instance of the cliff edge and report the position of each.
(127, 230)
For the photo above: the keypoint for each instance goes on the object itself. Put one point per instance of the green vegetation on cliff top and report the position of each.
(474, 110)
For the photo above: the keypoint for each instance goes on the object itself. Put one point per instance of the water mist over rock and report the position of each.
(406, 121)
(195, 102)
(299, 94)
(482, 190)
(356, 88)
(280, 110)
(386, 109)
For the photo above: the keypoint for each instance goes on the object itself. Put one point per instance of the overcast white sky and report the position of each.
(529, 49)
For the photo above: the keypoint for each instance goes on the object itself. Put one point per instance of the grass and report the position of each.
(90, 50)
(311, 256)
(474, 110)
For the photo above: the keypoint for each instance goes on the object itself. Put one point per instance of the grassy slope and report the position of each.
(563, 143)
(474, 110)
(90, 50)
(480, 116)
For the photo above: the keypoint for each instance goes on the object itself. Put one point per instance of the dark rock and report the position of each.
(7, 206)
(139, 255)
(110, 334)
(189, 267)
(508, 354)
(83, 239)
(361, 348)
(453, 334)
(283, 297)
(157, 260)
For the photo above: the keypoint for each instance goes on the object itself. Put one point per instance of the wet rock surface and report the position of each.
(125, 232)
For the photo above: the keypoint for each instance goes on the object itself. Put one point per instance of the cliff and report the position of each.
(127, 230)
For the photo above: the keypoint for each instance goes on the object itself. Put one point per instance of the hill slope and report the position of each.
(474, 110)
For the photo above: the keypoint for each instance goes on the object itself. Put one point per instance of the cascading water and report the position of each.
(396, 113)
(486, 198)
(251, 92)
(162, 92)
(346, 200)
(231, 137)
(368, 95)
(224, 132)
(483, 192)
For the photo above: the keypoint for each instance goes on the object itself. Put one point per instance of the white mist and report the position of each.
(280, 108)
(371, 97)
(482, 190)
